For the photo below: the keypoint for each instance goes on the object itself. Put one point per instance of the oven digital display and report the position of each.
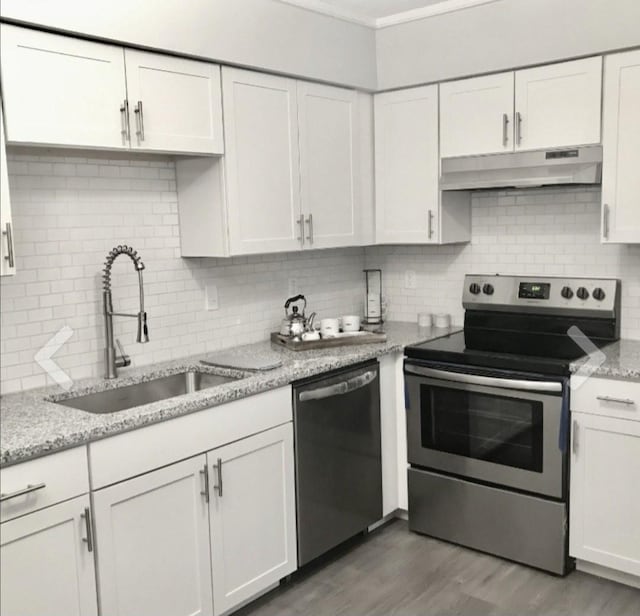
(534, 290)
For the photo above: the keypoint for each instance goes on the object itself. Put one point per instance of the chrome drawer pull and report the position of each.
(205, 473)
(89, 528)
(30, 488)
(616, 400)
(218, 468)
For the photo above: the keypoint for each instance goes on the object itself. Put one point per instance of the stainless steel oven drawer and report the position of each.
(522, 528)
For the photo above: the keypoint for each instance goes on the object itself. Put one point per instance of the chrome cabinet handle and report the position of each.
(310, 223)
(205, 492)
(518, 127)
(139, 121)
(505, 129)
(627, 401)
(430, 224)
(30, 488)
(124, 115)
(9, 234)
(89, 528)
(605, 221)
(218, 467)
(574, 437)
(301, 225)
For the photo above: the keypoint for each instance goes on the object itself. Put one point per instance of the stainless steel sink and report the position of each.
(127, 397)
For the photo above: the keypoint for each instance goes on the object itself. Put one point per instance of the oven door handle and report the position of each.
(489, 381)
(339, 389)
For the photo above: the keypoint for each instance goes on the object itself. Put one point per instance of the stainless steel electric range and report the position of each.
(488, 414)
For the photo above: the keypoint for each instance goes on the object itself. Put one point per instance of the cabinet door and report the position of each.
(153, 544)
(605, 502)
(253, 526)
(7, 253)
(621, 148)
(261, 162)
(476, 115)
(46, 565)
(558, 105)
(62, 91)
(329, 165)
(407, 166)
(175, 104)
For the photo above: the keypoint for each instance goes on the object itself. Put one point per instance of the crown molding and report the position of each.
(331, 10)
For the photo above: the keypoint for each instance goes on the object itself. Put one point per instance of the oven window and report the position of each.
(487, 427)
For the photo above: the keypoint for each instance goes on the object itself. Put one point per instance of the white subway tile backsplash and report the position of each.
(69, 211)
(552, 231)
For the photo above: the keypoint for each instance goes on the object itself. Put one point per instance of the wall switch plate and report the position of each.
(211, 297)
(410, 279)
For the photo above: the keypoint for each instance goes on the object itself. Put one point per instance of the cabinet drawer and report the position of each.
(608, 397)
(45, 481)
(140, 451)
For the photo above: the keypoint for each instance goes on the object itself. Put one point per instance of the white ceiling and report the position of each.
(381, 13)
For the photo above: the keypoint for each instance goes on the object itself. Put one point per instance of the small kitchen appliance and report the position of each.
(488, 414)
(295, 323)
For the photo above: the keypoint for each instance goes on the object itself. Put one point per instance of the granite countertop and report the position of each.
(31, 424)
(622, 361)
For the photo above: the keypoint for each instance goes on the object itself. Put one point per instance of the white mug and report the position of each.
(424, 319)
(351, 323)
(329, 327)
(442, 320)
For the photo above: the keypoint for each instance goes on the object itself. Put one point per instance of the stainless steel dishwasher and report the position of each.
(338, 461)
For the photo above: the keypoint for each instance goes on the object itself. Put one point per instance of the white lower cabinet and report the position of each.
(152, 537)
(605, 501)
(46, 564)
(252, 515)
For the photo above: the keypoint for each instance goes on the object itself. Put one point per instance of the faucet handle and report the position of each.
(124, 360)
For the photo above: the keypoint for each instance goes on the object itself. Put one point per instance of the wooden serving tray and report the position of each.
(328, 343)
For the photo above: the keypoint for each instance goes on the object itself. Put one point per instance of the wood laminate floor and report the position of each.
(396, 572)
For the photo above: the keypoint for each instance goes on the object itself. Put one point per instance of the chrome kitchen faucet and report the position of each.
(112, 361)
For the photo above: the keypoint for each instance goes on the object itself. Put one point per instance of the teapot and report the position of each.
(295, 323)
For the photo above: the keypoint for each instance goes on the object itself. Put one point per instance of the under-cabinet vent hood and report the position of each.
(580, 165)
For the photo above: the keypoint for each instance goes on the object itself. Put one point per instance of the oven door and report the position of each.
(495, 429)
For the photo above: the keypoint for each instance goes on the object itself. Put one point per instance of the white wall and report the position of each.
(70, 209)
(548, 231)
(502, 35)
(264, 34)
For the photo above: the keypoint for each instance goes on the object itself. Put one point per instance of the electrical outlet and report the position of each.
(211, 293)
(409, 279)
(293, 287)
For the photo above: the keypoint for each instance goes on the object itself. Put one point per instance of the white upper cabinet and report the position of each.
(549, 106)
(410, 208)
(7, 252)
(621, 148)
(62, 91)
(329, 165)
(262, 159)
(558, 105)
(297, 171)
(175, 104)
(476, 115)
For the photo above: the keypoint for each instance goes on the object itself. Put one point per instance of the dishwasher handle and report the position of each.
(339, 389)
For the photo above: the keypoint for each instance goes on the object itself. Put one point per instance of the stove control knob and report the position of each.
(566, 292)
(488, 289)
(598, 294)
(475, 288)
(582, 293)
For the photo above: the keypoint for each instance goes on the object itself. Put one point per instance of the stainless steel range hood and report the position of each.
(579, 165)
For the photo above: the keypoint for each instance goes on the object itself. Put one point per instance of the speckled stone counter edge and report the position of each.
(32, 424)
(621, 361)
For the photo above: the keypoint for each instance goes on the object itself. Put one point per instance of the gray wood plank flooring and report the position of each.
(394, 572)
